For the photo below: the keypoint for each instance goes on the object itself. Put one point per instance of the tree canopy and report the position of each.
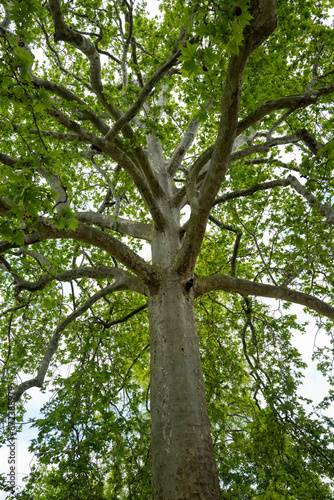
(152, 165)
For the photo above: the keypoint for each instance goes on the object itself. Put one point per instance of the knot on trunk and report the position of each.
(189, 283)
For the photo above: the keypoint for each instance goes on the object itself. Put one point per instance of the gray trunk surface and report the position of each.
(182, 456)
(183, 463)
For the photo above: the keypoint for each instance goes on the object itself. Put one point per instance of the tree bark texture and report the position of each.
(182, 456)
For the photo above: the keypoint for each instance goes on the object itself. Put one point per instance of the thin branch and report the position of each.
(85, 110)
(54, 342)
(41, 259)
(58, 60)
(133, 362)
(265, 146)
(224, 226)
(135, 62)
(278, 123)
(251, 190)
(235, 253)
(126, 317)
(11, 309)
(148, 87)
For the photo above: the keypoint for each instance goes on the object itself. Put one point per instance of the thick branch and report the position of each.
(245, 287)
(119, 157)
(190, 187)
(263, 23)
(71, 36)
(323, 208)
(124, 226)
(185, 144)
(265, 146)
(100, 239)
(129, 281)
(77, 40)
(290, 102)
(8, 160)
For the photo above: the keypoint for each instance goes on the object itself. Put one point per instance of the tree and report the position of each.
(120, 128)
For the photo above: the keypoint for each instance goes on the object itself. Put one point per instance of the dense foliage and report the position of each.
(90, 92)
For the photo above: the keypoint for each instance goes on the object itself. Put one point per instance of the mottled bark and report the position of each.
(182, 456)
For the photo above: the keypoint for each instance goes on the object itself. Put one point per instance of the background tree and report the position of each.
(121, 130)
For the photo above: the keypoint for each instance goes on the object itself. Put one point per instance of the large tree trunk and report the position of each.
(183, 463)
